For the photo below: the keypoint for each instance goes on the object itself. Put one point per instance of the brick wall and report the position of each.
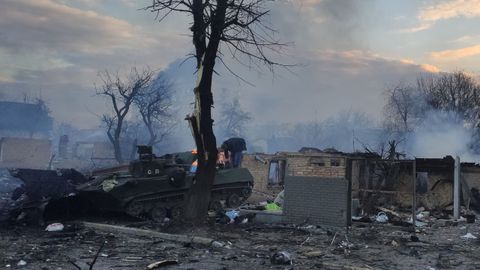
(325, 165)
(318, 164)
(322, 201)
(259, 170)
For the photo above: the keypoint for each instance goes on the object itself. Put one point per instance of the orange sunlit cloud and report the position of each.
(424, 67)
(430, 68)
(457, 8)
(443, 11)
(456, 54)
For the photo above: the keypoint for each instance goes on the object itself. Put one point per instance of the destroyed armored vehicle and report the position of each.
(38, 189)
(151, 188)
(156, 188)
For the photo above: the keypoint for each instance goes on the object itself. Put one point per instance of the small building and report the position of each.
(270, 170)
(25, 153)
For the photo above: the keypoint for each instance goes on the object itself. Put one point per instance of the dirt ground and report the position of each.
(249, 246)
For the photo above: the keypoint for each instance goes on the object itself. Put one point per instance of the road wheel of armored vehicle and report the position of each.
(134, 209)
(246, 192)
(158, 214)
(233, 200)
(176, 213)
(216, 205)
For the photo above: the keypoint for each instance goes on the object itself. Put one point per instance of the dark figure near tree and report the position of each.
(235, 146)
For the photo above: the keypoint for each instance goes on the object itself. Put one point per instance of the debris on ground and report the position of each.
(160, 264)
(55, 227)
(469, 236)
(220, 246)
(381, 217)
(281, 257)
(272, 207)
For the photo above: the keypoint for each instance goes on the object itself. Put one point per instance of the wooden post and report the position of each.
(414, 197)
(456, 189)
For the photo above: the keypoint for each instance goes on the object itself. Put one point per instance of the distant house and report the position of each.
(19, 119)
(25, 153)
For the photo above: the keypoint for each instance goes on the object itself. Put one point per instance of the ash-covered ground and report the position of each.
(249, 246)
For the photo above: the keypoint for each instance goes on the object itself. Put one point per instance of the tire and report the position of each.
(176, 213)
(246, 192)
(158, 214)
(134, 209)
(233, 200)
(216, 205)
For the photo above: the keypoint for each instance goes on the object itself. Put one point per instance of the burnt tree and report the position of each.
(121, 93)
(154, 104)
(239, 26)
(402, 108)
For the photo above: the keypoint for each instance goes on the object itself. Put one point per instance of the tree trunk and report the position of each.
(201, 122)
(118, 151)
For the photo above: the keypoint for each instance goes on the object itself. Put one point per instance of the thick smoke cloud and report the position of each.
(441, 134)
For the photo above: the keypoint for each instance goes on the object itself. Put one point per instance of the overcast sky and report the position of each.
(347, 52)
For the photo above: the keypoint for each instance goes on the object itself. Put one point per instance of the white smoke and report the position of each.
(440, 134)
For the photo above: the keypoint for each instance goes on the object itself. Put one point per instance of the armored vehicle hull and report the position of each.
(161, 196)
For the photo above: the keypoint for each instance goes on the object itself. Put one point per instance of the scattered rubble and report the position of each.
(363, 246)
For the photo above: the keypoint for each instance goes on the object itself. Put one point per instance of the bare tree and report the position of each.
(121, 93)
(454, 96)
(238, 24)
(402, 108)
(154, 104)
(455, 92)
(233, 119)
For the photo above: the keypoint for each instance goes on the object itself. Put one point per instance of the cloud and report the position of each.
(425, 67)
(48, 25)
(463, 39)
(5, 78)
(430, 68)
(327, 24)
(456, 54)
(57, 47)
(423, 26)
(429, 15)
(327, 82)
(452, 9)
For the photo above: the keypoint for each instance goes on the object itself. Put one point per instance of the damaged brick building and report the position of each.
(373, 181)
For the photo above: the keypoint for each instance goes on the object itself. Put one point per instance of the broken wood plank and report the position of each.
(148, 233)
